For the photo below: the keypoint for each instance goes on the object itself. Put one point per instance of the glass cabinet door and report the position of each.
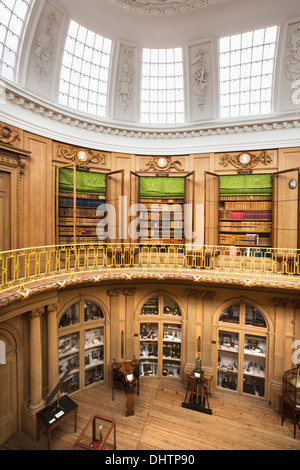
(68, 356)
(93, 355)
(148, 348)
(254, 365)
(228, 360)
(81, 345)
(171, 350)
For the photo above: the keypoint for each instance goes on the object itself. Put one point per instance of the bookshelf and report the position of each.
(245, 210)
(80, 194)
(161, 202)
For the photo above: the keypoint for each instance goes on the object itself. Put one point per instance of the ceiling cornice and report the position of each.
(25, 100)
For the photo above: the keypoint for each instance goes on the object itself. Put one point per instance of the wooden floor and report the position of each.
(161, 423)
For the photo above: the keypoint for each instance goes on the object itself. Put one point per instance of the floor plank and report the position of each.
(161, 423)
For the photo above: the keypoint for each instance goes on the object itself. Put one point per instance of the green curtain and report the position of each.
(86, 182)
(161, 187)
(239, 185)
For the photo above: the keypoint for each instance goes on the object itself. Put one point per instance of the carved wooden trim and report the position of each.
(80, 156)
(162, 164)
(8, 136)
(244, 162)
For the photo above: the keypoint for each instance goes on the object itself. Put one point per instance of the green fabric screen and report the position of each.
(86, 182)
(161, 187)
(239, 185)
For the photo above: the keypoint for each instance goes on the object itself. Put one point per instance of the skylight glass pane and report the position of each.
(85, 71)
(12, 16)
(246, 72)
(162, 96)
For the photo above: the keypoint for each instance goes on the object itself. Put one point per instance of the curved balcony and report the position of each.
(26, 271)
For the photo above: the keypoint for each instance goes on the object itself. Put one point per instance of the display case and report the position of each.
(171, 350)
(228, 360)
(81, 345)
(151, 307)
(291, 396)
(94, 355)
(98, 434)
(70, 316)
(68, 356)
(254, 365)
(148, 348)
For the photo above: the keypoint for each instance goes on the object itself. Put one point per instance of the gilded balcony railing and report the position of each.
(19, 268)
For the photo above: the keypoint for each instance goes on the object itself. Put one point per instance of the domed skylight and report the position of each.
(13, 14)
(85, 71)
(246, 72)
(162, 96)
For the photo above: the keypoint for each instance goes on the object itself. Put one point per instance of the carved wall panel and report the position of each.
(44, 61)
(290, 70)
(201, 81)
(125, 86)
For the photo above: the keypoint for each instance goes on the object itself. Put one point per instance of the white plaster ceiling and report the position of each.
(163, 7)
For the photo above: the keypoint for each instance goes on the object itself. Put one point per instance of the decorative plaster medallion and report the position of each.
(162, 164)
(157, 7)
(200, 77)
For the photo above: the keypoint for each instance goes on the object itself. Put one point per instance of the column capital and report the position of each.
(114, 292)
(37, 312)
(280, 301)
(208, 294)
(53, 308)
(129, 292)
(192, 292)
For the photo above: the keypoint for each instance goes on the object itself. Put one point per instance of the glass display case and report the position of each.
(149, 348)
(68, 356)
(170, 307)
(92, 311)
(70, 316)
(253, 317)
(228, 360)
(231, 314)
(81, 345)
(254, 365)
(151, 307)
(160, 341)
(93, 355)
(291, 396)
(98, 434)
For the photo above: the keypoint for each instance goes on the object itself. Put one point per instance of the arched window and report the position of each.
(81, 345)
(160, 337)
(242, 349)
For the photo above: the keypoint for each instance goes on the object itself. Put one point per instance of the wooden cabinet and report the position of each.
(160, 338)
(81, 345)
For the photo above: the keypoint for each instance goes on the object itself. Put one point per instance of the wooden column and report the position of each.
(36, 398)
(129, 323)
(115, 339)
(52, 347)
(207, 330)
(191, 330)
(280, 339)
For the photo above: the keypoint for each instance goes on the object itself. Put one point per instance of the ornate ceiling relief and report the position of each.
(165, 7)
(43, 53)
(125, 76)
(292, 65)
(200, 77)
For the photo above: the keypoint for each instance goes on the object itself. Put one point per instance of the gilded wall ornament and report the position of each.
(244, 162)
(81, 157)
(164, 164)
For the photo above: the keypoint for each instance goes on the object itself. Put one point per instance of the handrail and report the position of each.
(18, 268)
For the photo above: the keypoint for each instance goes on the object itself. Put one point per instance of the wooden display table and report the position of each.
(54, 414)
(208, 380)
(126, 374)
